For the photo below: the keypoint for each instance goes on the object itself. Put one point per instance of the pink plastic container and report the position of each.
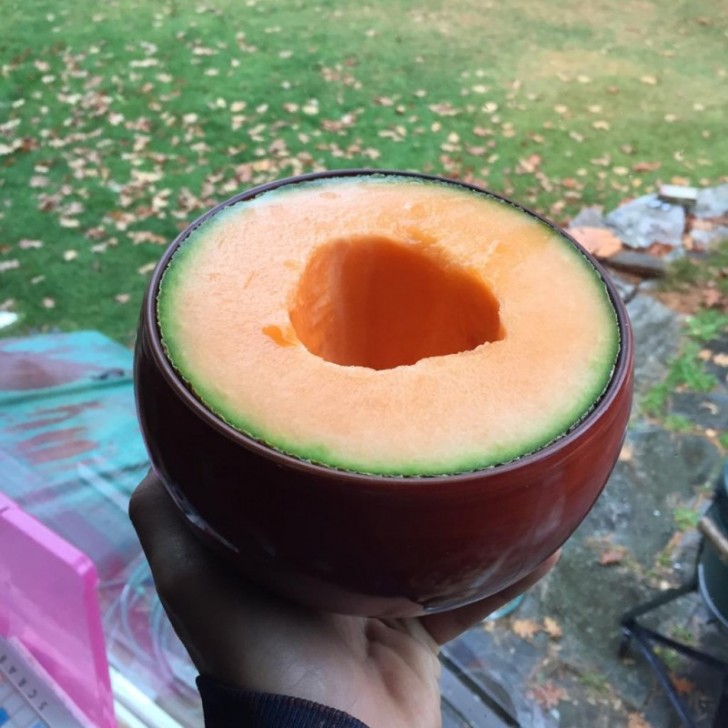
(49, 606)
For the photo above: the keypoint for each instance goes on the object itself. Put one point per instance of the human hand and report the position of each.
(384, 672)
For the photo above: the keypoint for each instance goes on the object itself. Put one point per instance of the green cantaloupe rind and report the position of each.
(316, 452)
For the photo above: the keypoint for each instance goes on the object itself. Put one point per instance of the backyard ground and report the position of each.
(120, 125)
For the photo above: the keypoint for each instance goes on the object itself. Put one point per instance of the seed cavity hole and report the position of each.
(379, 303)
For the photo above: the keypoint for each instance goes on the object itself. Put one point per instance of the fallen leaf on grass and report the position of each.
(721, 360)
(525, 628)
(144, 236)
(48, 303)
(9, 265)
(646, 166)
(122, 297)
(530, 164)
(146, 268)
(30, 244)
(548, 694)
(552, 628)
(649, 80)
(70, 255)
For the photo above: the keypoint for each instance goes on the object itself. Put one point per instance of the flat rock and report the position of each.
(635, 512)
(660, 472)
(636, 509)
(589, 217)
(671, 462)
(704, 239)
(679, 194)
(627, 289)
(641, 264)
(647, 220)
(656, 332)
(712, 202)
(704, 410)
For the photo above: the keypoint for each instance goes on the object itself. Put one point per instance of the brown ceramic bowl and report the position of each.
(370, 545)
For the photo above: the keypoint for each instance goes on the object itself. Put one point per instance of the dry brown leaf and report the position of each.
(30, 244)
(646, 166)
(529, 164)
(660, 250)
(9, 265)
(626, 453)
(711, 407)
(612, 556)
(600, 242)
(712, 297)
(144, 236)
(525, 628)
(649, 80)
(637, 720)
(682, 685)
(146, 268)
(548, 694)
(721, 360)
(122, 297)
(48, 303)
(552, 628)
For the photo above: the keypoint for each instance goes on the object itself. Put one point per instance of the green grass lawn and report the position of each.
(120, 125)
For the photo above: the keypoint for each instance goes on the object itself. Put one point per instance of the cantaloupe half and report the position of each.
(388, 325)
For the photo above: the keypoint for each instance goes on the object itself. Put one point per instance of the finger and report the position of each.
(165, 538)
(227, 623)
(179, 563)
(446, 626)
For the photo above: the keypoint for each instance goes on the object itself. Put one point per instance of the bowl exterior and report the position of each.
(367, 544)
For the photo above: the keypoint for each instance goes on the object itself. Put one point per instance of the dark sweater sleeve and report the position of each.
(228, 707)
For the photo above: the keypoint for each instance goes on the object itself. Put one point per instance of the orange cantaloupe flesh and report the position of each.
(388, 325)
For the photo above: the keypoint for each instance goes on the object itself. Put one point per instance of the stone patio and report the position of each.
(556, 657)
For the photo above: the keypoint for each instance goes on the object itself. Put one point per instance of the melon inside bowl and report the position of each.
(381, 393)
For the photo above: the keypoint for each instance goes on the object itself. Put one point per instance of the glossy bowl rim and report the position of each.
(620, 374)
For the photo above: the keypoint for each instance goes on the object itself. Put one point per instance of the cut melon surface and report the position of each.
(388, 325)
